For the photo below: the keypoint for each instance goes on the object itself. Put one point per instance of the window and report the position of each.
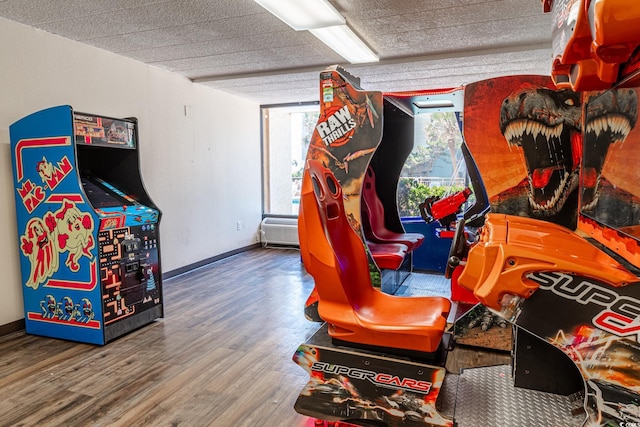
(286, 132)
(435, 166)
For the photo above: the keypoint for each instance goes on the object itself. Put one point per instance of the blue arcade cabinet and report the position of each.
(88, 233)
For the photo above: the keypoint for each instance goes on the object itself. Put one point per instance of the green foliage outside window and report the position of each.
(411, 193)
(438, 140)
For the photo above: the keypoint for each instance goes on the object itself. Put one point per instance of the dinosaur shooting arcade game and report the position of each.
(88, 233)
(557, 254)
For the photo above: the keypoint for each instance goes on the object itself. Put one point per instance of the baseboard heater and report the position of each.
(279, 231)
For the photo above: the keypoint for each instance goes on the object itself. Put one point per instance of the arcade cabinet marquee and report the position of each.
(87, 230)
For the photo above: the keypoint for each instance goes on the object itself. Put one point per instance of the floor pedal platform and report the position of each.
(352, 384)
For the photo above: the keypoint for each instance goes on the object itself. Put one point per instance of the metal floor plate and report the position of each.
(446, 403)
(486, 397)
(425, 284)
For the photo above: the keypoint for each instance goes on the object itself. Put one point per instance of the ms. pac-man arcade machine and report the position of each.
(87, 229)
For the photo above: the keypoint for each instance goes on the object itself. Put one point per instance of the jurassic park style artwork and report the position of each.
(525, 138)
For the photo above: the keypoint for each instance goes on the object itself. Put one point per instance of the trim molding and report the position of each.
(19, 325)
(187, 268)
(12, 327)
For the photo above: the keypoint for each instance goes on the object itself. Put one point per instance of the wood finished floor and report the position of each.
(220, 357)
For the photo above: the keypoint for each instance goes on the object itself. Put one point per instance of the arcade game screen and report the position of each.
(101, 196)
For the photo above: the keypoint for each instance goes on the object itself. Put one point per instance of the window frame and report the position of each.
(264, 160)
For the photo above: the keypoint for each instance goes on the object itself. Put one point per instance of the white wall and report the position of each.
(202, 170)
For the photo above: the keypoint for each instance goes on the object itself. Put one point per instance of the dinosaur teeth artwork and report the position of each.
(525, 136)
(610, 118)
(617, 126)
(517, 130)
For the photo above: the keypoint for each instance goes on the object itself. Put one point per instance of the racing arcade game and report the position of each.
(573, 287)
(558, 255)
(351, 375)
(88, 231)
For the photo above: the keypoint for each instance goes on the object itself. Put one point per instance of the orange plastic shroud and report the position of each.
(593, 40)
(510, 247)
(619, 241)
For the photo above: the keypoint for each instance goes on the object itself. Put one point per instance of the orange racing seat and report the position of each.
(354, 310)
(386, 255)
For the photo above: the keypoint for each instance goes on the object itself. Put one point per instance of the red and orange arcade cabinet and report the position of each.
(344, 262)
(88, 233)
(572, 289)
(559, 252)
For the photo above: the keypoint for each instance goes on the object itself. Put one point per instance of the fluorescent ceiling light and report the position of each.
(442, 103)
(304, 14)
(345, 43)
